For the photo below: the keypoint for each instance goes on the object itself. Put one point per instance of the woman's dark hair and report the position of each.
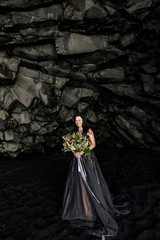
(85, 126)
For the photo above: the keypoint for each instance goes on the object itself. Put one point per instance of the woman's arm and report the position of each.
(92, 138)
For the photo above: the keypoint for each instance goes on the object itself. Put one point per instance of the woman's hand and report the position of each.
(76, 154)
(81, 153)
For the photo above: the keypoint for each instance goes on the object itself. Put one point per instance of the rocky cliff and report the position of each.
(97, 57)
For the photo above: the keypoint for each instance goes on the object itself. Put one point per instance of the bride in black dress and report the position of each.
(87, 202)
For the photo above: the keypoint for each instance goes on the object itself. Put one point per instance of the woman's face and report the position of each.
(79, 121)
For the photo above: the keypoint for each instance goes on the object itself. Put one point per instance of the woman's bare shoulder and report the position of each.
(90, 132)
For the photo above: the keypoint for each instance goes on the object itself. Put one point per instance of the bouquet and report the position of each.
(76, 143)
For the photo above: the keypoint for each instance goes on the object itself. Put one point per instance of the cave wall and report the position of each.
(97, 57)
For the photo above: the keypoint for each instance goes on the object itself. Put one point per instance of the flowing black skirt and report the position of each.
(87, 202)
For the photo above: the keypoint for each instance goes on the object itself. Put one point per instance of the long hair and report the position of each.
(84, 125)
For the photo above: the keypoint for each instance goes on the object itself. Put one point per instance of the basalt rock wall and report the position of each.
(97, 57)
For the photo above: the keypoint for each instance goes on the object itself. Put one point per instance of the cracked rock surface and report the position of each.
(97, 57)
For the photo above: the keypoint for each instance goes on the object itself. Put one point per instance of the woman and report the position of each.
(87, 201)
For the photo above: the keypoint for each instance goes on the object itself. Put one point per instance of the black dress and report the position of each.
(87, 202)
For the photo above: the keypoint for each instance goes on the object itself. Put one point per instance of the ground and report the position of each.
(32, 186)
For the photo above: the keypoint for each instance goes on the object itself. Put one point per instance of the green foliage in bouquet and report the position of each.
(76, 142)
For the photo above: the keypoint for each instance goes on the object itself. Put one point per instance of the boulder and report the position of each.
(8, 69)
(2, 125)
(96, 12)
(1, 136)
(150, 67)
(51, 13)
(28, 35)
(11, 147)
(43, 52)
(77, 43)
(34, 126)
(127, 39)
(10, 101)
(22, 3)
(148, 83)
(135, 6)
(71, 96)
(91, 116)
(81, 106)
(111, 73)
(78, 5)
(22, 118)
(9, 135)
(3, 91)
(3, 114)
